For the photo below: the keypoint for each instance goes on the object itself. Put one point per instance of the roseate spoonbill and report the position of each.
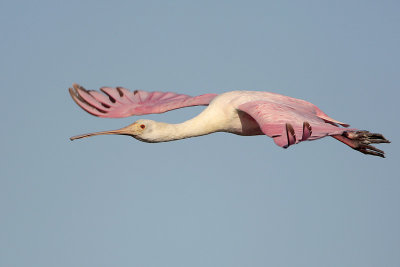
(287, 120)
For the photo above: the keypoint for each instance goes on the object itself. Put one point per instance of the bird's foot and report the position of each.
(362, 140)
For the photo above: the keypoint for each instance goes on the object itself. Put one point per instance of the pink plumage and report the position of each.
(285, 119)
(120, 102)
(274, 120)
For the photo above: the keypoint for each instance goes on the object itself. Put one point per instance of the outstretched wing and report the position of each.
(119, 102)
(288, 125)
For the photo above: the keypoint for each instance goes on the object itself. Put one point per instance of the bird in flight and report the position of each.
(285, 119)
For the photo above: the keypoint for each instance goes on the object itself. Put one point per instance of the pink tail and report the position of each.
(361, 140)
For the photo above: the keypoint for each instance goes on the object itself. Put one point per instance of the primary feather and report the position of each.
(120, 102)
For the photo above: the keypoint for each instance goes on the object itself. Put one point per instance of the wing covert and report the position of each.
(120, 102)
(287, 125)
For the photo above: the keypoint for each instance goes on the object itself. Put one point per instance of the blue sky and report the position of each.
(216, 200)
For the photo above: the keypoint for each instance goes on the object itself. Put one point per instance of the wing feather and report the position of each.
(120, 102)
(288, 125)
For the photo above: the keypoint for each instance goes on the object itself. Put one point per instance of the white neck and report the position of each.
(164, 132)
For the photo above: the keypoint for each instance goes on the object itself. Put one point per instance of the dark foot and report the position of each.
(361, 141)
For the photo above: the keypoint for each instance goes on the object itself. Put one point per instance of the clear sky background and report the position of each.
(217, 200)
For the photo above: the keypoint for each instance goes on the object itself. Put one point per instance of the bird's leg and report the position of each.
(290, 134)
(307, 131)
(362, 140)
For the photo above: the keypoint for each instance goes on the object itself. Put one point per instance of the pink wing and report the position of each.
(287, 125)
(120, 102)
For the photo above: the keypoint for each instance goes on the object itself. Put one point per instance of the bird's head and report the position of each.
(141, 130)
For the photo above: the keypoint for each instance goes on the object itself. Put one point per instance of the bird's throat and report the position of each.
(164, 132)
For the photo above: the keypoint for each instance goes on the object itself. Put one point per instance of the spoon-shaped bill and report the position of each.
(122, 131)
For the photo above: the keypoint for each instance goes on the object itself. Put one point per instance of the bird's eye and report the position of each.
(142, 126)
